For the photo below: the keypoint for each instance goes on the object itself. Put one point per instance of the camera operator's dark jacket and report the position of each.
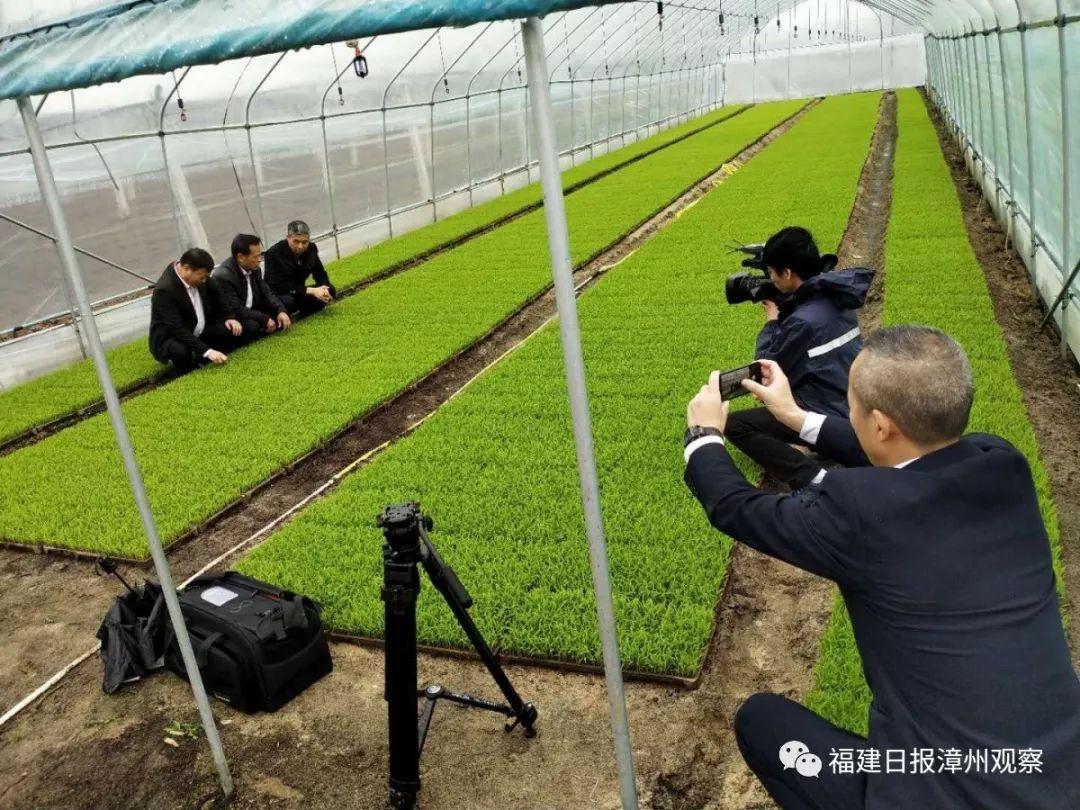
(816, 338)
(287, 273)
(232, 287)
(946, 570)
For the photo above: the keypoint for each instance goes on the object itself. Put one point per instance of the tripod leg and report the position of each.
(401, 586)
(443, 578)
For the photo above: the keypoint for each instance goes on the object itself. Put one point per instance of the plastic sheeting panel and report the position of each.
(156, 37)
(1011, 111)
(825, 70)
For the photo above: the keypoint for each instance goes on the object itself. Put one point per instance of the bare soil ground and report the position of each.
(1049, 381)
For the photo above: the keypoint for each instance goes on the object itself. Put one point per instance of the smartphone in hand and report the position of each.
(731, 381)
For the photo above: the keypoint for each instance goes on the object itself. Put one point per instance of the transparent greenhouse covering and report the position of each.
(219, 117)
(110, 41)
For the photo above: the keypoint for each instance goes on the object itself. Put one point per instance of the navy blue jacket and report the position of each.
(816, 338)
(945, 568)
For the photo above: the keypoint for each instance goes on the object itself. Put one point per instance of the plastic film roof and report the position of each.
(111, 41)
(156, 36)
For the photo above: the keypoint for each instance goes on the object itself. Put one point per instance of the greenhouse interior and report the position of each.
(362, 357)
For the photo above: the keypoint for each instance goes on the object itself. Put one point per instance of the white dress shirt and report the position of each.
(196, 301)
(247, 281)
(811, 427)
(808, 433)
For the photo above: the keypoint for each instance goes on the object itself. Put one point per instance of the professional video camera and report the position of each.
(743, 287)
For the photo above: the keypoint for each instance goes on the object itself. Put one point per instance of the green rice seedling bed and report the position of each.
(69, 390)
(205, 439)
(496, 468)
(932, 278)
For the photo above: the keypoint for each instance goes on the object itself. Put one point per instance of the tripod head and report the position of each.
(405, 528)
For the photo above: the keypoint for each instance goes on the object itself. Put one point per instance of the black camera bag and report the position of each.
(257, 646)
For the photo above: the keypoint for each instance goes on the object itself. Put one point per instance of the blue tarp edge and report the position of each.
(157, 36)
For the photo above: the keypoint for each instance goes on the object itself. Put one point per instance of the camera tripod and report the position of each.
(405, 529)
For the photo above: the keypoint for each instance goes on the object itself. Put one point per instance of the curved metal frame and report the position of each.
(251, 144)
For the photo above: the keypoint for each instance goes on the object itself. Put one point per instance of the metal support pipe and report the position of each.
(993, 115)
(965, 95)
(962, 87)
(980, 107)
(1010, 192)
(385, 137)
(251, 143)
(51, 197)
(1067, 224)
(180, 246)
(431, 124)
(787, 88)
(326, 152)
(559, 244)
(847, 36)
(1025, 61)
(18, 223)
(881, 43)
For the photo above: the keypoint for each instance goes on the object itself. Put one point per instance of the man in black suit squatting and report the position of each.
(190, 325)
(944, 564)
(289, 265)
(240, 283)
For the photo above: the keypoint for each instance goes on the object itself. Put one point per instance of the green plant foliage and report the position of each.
(208, 437)
(496, 467)
(933, 278)
(70, 389)
(402, 248)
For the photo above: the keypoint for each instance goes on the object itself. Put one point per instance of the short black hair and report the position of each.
(298, 228)
(197, 259)
(242, 244)
(794, 249)
(919, 377)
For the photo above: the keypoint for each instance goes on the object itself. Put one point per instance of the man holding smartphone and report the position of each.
(945, 567)
(813, 333)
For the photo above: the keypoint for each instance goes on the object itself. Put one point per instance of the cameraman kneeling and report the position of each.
(814, 335)
(944, 564)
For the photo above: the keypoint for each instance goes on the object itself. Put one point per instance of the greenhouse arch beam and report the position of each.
(577, 45)
(431, 116)
(51, 196)
(162, 35)
(334, 230)
(251, 143)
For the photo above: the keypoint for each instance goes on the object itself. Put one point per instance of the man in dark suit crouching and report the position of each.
(240, 283)
(944, 564)
(190, 325)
